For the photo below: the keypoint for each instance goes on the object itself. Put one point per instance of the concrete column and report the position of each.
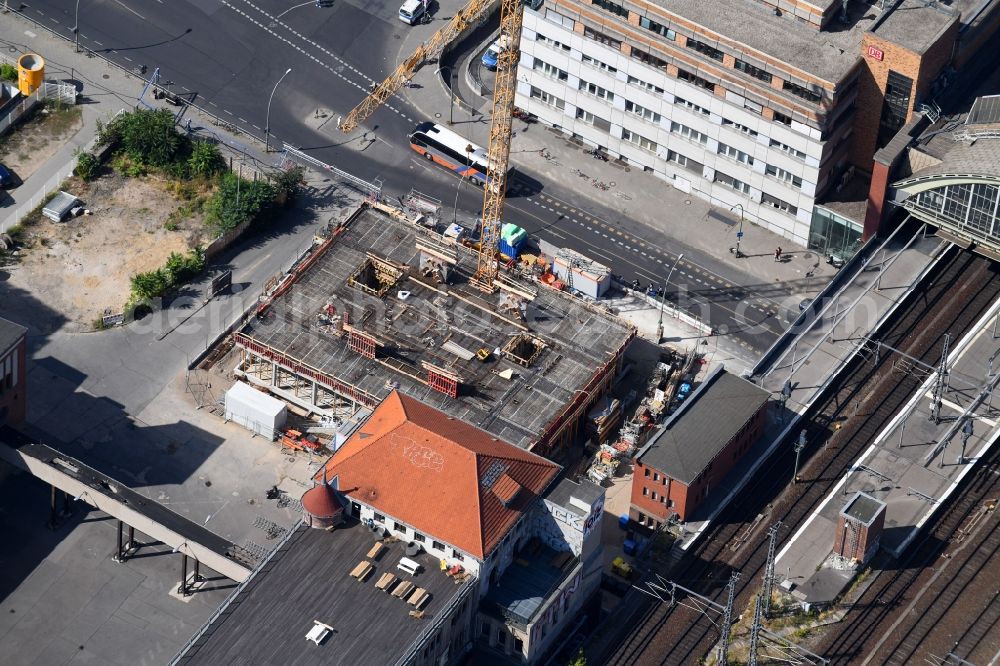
(131, 538)
(274, 374)
(120, 557)
(52, 512)
(183, 589)
(314, 398)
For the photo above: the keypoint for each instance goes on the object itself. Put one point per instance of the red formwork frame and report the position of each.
(443, 383)
(362, 344)
(303, 370)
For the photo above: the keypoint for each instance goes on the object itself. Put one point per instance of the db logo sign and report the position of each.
(875, 53)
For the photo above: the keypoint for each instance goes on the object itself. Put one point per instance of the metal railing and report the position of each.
(363, 185)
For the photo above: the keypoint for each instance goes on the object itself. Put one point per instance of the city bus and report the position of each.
(441, 145)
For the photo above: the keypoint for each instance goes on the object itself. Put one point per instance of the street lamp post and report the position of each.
(267, 121)
(451, 93)
(76, 27)
(799, 445)
(659, 325)
(739, 234)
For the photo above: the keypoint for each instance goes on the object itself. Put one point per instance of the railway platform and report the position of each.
(912, 466)
(829, 333)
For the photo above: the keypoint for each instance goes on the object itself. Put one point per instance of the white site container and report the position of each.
(257, 412)
(589, 277)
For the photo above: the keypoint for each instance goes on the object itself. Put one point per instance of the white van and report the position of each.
(412, 11)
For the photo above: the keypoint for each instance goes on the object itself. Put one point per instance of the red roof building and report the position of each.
(451, 481)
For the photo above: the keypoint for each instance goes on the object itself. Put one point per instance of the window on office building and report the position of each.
(686, 162)
(557, 18)
(691, 105)
(594, 62)
(788, 149)
(729, 181)
(642, 112)
(611, 7)
(550, 70)
(782, 118)
(547, 98)
(645, 85)
(705, 49)
(539, 37)
(602, 38)
(737, 126)
(638, 140)
(735, 154)
(649, 59)
(594, 120)
(897, 103)
(596, 90)
(661, 30)
(775, 202)
(688, 133)
(781, 174)
(694, 79)
(805, 93)
(645, 491)
(755, 72)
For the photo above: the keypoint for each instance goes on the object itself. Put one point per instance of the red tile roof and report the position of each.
(445, 478)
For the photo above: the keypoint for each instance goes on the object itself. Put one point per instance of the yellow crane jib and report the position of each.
(432, 48)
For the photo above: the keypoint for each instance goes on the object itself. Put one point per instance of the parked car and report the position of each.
(683, 391)
(492, 55)
(6, 177)
(412, 11)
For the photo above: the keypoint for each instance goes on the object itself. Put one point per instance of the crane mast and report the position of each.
(495, 191)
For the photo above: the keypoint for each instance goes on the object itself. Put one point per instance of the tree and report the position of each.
(147, 137)
(579, 660)
(87, 166)
(237, 201)
(205, 159)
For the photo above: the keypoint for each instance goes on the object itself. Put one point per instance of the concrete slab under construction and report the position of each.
(913, 466)
(387, 304)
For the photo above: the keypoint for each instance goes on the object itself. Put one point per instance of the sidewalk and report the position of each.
(701, 227)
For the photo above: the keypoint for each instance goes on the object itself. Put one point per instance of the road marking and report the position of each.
(127, 58)
(130, 9)
(228, 111)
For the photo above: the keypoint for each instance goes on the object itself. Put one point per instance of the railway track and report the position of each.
(914, 609)
(839, 427)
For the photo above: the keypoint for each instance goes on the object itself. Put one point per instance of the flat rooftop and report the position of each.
(863, 508)
(308, 579)
(703, 425)
(827, 54)
(9, 334)
(420, 322)
(535, 572)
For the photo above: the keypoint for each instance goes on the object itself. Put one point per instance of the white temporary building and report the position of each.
(257, 412)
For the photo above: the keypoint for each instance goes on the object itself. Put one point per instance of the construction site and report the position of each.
(386, 303)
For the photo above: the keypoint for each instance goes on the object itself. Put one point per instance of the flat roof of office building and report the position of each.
(827, 54)
(308, 579)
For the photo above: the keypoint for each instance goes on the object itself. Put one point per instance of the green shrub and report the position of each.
(150, 284)
(205, 160)
(87, 166)
(147, 137)
(179, 269)
(289, 183)
(8, 72)
(237, 201)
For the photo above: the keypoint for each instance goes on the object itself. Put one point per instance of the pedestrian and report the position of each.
(188, 126)
(777, 253)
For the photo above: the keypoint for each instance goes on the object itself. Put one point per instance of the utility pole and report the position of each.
(659, 326)
(966, 434)
(755, 628)
(769, 570)
(939, 383)
(727, 618)
(786, 393)
(799, 445)
(739, 234)
(76, 26)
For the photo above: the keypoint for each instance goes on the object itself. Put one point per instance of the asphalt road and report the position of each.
(227, 56)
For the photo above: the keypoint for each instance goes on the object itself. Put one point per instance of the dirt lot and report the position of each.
(33, 142)
(82, 266)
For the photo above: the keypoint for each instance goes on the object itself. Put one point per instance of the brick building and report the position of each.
(13, 358)
(859, 529)
(772, 106)
(696, 448)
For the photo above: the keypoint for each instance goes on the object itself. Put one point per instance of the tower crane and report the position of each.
(498, 154)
